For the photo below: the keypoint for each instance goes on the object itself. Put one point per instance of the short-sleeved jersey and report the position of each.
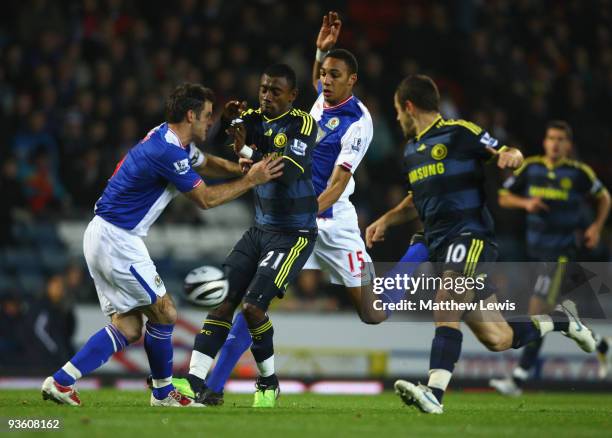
(151, 174)
(564, 187)
(444, 170)
(280, 206)
(344, 133)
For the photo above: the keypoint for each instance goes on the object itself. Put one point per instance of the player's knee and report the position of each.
(225, 311)
(165, 311)
(372, 318)
(252, 313)
(495, 342)
(132, 332)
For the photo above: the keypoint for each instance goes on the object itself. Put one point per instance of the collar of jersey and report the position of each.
(338, 105)
(267, 120)
(176, 135)
(424, 131)
(559, 163)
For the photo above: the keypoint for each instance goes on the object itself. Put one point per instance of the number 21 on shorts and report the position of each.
(358, 257)
(269, 256)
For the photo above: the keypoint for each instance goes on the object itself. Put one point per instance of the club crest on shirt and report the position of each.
(158, 281)
(280, 140)
(181, 166)
(332, 123)
(439, 152)
(566, 183)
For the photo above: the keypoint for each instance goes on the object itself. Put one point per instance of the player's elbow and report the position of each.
(503, 199)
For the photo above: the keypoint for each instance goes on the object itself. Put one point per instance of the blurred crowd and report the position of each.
(36, 332)
(81, 82)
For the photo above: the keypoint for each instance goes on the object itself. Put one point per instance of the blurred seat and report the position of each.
(15, 258)
(31, 282)
(53, 258)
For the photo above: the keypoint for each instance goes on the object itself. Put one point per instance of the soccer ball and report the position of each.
(206, 287)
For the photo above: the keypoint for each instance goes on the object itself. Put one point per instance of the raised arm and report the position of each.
(326, 40)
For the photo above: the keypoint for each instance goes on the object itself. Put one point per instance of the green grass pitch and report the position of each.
(112, 413)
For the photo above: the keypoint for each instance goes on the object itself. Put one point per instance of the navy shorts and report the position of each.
(263, 263)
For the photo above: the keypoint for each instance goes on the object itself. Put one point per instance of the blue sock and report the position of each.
(445, 352)
(96, 351)
(158, 345)
(416, 254)
(238, 341)
(524, 331)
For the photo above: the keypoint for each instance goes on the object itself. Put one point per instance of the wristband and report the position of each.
(320, 56)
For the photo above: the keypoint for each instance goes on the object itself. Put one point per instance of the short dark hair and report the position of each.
(346, 56)
(563, 126)
(282, 71)
(187, 97)
(421, 90)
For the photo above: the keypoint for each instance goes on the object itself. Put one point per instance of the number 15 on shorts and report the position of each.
(354, 258)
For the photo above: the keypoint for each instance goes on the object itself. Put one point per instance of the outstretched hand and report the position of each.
(265, 170)
(330, 30)
(233, 109)
(238, 132)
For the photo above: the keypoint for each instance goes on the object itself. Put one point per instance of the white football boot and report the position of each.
(580, 333)
(506, 387)
(65, 395)
(419, 395)
(175, 400)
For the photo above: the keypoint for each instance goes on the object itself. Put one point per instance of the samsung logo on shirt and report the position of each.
(182, 166)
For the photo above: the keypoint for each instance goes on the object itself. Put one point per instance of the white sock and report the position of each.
(199, 364)
(160, 383)
(544, 323)
(266, 368)
(72, 371)
(439, 378)
(520, 373)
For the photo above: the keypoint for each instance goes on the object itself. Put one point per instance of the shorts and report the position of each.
(341, 252)
(263, 263)
(122, 270)
(469, 255)
(555, 279)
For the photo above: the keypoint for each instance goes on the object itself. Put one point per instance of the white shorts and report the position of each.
(340, 251)
(121, 268)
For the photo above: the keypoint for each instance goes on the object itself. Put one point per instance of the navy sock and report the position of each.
(96, 351)
(560, 321)
(416, 254)
(238, 341)
(445, 352)
(263, 345)
(529, 358)
(158, 346)
(205, 347)
(524, 331)
(603, 346)
(212, 336)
